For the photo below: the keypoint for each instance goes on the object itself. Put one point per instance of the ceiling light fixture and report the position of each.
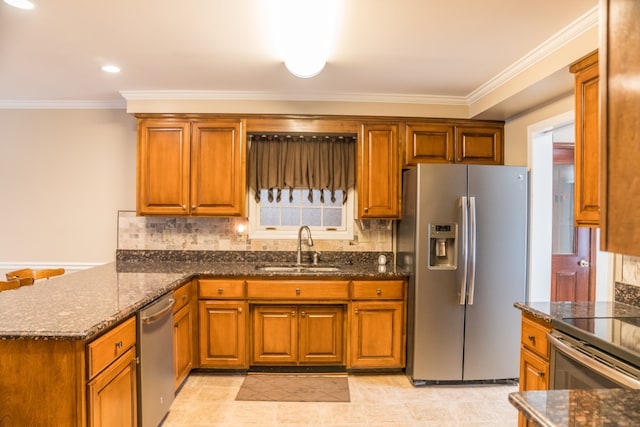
(111, 68)
(304, 33)
(20, 4)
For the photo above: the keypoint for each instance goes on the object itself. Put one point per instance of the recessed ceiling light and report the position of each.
(20, 4)
(111, 68)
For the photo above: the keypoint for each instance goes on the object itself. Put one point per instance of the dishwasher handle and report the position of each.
(154, 317)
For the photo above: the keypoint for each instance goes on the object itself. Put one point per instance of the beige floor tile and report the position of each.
(376, 401)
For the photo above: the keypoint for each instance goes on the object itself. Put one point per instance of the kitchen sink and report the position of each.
(298, 268)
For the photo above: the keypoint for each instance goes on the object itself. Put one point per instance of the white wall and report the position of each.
(64, 175)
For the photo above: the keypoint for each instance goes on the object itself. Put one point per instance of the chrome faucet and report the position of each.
(309, 242)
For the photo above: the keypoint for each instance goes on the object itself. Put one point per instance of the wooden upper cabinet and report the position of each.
(218, 178)
(163, 167)
(587, 143)
(480, 144)
(474, 143)
(428, 143)
(620, 127)
(379, 183)
(191, 167)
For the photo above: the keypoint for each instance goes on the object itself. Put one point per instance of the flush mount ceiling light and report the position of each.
(20, 4)
(304, 33)
(111, 68)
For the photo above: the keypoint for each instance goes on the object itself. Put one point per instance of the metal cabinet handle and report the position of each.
(297, 291)
(303, 313)
(119, 344)
(366, 210)
(532, 339)
(379, 291)
(357, 311)
(239, 309)
(184, 207)
(293, 313)
(184, 298)
(193, 207)
(220, 290)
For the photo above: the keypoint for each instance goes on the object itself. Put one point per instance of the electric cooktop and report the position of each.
(618, 336)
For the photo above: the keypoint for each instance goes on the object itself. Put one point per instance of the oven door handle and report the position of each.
(602, 369)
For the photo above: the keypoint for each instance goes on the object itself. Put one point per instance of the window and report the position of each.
(273, 219)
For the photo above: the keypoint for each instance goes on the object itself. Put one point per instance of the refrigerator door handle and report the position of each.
(472, 249)
(464, 219)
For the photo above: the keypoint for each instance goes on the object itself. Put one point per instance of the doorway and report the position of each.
(573, 248)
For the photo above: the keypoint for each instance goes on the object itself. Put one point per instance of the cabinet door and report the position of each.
(112, 394)
(321, 335)
(587, 144)
(479, 145)
(428, 143)
(163, 167)
(275, 335)
(379, 172)
(183, 338)
(218, 181)
(534, 372)
(377, 331)
(222, 334)
(620, 123)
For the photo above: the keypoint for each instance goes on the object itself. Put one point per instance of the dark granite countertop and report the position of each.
(594, 408)
(82, 304)
(556, 311)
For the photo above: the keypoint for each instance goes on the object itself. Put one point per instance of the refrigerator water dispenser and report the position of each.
(443, 246)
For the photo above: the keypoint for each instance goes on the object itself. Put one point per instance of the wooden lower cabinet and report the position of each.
(534, 357)
(222, 334)
(298, 335)
(184, 328)
(377, 334)
(112, 394)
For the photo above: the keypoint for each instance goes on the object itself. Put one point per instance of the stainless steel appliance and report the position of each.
(588, 353)
(155, 351)
(463, 241)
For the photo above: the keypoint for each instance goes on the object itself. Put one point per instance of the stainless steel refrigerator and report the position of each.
(463, 241)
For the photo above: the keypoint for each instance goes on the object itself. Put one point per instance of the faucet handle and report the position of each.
(316, 257)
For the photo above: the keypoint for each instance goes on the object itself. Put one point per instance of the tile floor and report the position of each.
(376, 400)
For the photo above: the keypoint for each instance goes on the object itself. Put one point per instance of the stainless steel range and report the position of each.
(595, 352)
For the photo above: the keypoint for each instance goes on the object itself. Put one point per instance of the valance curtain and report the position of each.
(314, 162)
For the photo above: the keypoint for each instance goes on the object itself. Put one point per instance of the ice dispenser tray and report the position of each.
(443, 246)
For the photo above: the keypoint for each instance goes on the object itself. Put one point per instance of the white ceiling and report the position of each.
(446, 49)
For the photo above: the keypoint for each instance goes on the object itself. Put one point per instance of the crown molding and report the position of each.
(204, 95)
(578, 27)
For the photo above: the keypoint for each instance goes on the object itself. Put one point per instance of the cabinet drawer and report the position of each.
(183, 296)
(298, 289)
(534, 337)
(378, 289)
(221, 289)
(107, 348)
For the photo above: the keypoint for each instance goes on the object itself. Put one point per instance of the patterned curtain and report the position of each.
(314, 162)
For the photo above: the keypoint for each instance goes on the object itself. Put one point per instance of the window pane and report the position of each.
(316, 198)
(562, 224)
(327, 198)
(290, 216)
(332, 217)
(264, 199)
(311, 217)
(270, 216)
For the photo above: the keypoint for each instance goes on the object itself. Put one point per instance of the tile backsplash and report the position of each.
(627, 287)
(219, 234)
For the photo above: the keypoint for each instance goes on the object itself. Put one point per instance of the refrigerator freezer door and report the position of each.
(492, 325)
(437, 323)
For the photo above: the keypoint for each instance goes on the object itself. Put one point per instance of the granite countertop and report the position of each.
(600, 407)
(596, 407)
(82, 304)
(556, 311)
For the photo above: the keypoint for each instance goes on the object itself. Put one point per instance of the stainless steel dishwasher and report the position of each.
(155, 352)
